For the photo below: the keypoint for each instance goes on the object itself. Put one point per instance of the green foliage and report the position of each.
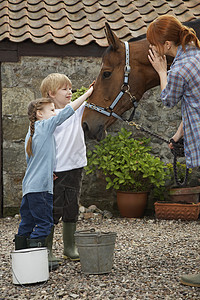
(126, 163)
(78, 93)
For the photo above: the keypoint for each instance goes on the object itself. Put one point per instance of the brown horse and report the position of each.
(110, 81)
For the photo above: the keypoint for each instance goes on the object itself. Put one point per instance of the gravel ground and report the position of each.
(149, 257)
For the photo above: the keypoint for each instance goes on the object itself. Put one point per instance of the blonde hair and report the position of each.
(53, 82)
(33, 106)
(168, 28)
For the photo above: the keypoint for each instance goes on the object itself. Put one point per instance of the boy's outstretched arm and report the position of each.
(77, 103)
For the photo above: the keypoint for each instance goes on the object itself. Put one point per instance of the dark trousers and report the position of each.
(36, 215)
(66, 195)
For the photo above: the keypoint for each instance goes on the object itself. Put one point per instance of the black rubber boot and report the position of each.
(35, 243)
(20, 242)
(70, 249)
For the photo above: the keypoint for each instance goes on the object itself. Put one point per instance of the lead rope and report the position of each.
(177, 151)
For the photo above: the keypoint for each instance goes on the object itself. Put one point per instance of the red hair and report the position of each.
(168, 28)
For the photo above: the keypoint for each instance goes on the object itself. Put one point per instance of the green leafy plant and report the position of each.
(126, 163)
(78, 93)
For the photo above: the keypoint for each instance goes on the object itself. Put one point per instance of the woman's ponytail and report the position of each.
(188, 35)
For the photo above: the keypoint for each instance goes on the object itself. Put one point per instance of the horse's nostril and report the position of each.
(100, 133)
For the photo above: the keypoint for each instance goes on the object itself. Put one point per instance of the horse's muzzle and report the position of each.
(97, 134)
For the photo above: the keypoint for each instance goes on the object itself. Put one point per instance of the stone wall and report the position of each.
(20, 85)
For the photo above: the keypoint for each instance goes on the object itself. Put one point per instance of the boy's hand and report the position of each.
(92, 84)
(54, 176)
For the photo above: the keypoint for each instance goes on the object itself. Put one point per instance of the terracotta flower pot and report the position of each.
(185, 195)
(176, 211)
(132, 205)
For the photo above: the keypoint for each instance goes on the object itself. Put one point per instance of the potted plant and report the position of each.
(129, 168)
(181, 202)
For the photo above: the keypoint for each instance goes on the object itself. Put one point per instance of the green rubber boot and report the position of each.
(34, 243)
(20, 242)
(191, 280)
(49, 243)
(70, 249)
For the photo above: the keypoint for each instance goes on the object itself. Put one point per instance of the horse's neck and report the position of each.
(152, 78)
(144, 77)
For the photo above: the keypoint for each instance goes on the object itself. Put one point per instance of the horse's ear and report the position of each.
(113, 40)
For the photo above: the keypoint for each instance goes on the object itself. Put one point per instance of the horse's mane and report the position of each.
(134, 39)
(138, 38)
(193, 22)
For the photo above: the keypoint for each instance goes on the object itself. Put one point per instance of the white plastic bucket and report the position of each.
(30, 265)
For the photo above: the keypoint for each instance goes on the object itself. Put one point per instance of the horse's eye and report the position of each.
(106, 74)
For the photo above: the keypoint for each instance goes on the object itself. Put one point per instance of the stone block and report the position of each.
(14, 127)
(15, 101)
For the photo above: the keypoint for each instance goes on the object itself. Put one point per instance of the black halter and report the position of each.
(125, 88)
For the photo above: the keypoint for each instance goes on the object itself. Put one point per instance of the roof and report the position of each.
(83, 21)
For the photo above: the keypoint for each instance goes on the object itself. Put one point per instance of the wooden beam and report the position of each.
(8, 56)
(7, 45)
(8, 51)
(28, 48)
(11, 52)
(1, 152)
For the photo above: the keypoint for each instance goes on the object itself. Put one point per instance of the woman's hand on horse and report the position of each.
(158, 62)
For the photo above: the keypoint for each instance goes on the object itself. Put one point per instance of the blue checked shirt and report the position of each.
(183, 84)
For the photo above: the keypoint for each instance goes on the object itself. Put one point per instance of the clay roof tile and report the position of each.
(83, 21)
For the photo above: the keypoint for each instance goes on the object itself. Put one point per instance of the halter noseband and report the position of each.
(124, 89)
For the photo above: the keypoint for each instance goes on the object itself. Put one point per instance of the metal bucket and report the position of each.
(95, 250)
(30, 265)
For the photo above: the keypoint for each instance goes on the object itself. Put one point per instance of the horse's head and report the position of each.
(110, 81)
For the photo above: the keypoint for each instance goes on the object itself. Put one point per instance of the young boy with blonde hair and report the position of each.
(70, 160)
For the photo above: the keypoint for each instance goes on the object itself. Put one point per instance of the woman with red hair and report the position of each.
(168, 36)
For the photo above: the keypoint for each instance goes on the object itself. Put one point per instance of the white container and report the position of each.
(30, 265)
